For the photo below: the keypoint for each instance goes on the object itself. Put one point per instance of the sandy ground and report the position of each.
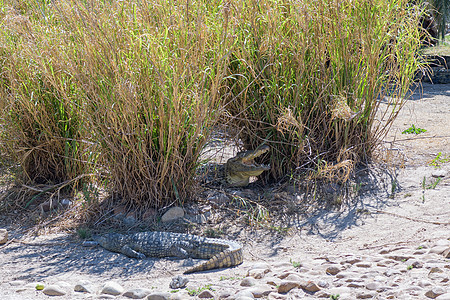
(376, 219)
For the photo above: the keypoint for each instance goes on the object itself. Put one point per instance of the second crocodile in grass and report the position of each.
(218, 252)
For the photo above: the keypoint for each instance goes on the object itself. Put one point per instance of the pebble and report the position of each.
(159, 296)
(206, 294)
(3, 236)
(333, 270)
(112, 288)
(248, 281)
(435, 292)
(179, 282)
(286, 286)
(172, 214)
(53, 290)
(138, 293)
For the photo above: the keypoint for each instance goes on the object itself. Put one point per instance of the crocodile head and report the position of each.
(239, 168)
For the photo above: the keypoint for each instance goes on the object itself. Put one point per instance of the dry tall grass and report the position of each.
(309, 77)
(132, 89)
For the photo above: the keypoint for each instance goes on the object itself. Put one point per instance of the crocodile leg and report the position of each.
(131, 253)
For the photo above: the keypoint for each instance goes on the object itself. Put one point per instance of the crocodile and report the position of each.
(240, 168)
(218, 252)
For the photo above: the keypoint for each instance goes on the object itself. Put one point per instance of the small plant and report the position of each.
(439, 159)
(222, 278)
(420, 247)
(433, 184)
(414, 129)
(39, 287)
(410, 267)
(84, 233)
(295, 264)
(334, 297)
(195, 292)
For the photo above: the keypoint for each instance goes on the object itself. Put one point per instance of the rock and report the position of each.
(286, 286)
(205, 294)
(84, 287)
(257, 273)
(106, 296)
(323, 284)
(119, 212)
(417, 264)
(112, 288)
(293, 277)
(218, 199)
(65, 202)
(435, 292)
(390, 272)
(261, 291)
(3, 236)
(130, 219)
(438, 249)
(17, 283)
(439, 173)
(366, 295)
(49, 205)
(446, 253)
(178, 282)
(138, 293)
(372, 286)
(310, 287)
(333, 270)
(149, 214)
(357, 285)
(172, 214)
(198, 219)
(363, 265)
(244, 294)
(159, 296)
(224, 294)
(54, 290)
(248, 281)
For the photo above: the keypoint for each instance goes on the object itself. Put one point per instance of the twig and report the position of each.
(411, 219)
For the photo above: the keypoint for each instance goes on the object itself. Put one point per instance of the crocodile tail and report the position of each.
(224, 259)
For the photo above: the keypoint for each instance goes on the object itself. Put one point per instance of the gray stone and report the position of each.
(17, 283)
(333, 270)
(112, 288)
(159, 296)
(172, 214)
(310, 286)
(138, 293)
(372, 286)
(3, 236)
(178, 282)
(257, 273)
(248, 281)
(206, 294)
(261, 291)
(366, 295)
(439, 173)
(286, 286)
(54, 290)
(244, 294)
(364, 265)
(435, 292)
(84, 287)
